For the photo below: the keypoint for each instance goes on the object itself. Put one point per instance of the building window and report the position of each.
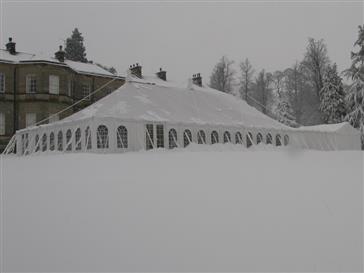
(238, 138)
(2, 83)
(227, 137)
(2, 124)
(122, 137)
(102, 137)
(214, 137)
(259, 138)
(286, 140)
(160, 136)
(68, 140)
(172, 138)
(86, 91)
(249, 139)
(269, 139)
(53, 84)
(201, 137)
(278, 140)
(53, 118)
(187, 138)
(78, 139)
(44, 142)
(149, 136)
(60, 141)
(69, 87)
(31, 84)
(51, 141)
(30, 119)
(88, 138)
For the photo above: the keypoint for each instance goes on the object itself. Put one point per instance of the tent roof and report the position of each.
(154, 100)
(342, 128)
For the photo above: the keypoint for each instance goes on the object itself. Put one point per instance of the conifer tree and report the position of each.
(332, 97)
(75, 50)
(355, 96)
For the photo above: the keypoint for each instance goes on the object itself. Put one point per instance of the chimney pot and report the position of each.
(197, 79)
(162, 74)
(136, 70)
(60, 54)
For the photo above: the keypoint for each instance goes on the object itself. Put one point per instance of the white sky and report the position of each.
(185, 38)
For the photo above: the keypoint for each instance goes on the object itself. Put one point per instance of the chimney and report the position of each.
(10, 46)
(162, 74)
(136, 70)
(197, 79)
(60, 54)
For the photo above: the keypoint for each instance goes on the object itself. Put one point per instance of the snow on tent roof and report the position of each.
(342, 128)
(82, 68)
(163, 102)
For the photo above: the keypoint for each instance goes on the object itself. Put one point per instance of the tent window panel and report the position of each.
(214, 137)
(227, 137)
(249, 139)
(78, 139)
(187, 138)
(269, 139)
(259, 138)
(102, 137)
(160, 136)
(122, 137)
(68, 140)
(36, 143)
(278, 140)
(172, 138)
(60, 141)
(286, 140)
(88, 138)
(44, 142)
(238, 138)
(149, 136)
(51, 141)
(201, 137)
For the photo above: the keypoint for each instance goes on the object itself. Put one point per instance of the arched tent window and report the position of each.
(286, 140)
(214, 137)
(172, 138)
(60, 141)
(78, 139)
(122, 137)
(278, 140)
(44, 142)
(201, 137)
(227, 137)
(68, 140)
(269, 139)
(36, 143)
(187, 138)
(249, 139)
(102, 137)
(238, 138)
(51, 141)
(88, 142)
(259, 138)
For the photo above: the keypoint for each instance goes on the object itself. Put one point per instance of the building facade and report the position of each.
(33, 88)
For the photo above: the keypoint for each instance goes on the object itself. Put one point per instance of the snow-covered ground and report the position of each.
(205, 208)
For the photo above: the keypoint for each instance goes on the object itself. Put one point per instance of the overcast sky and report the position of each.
(185, 38)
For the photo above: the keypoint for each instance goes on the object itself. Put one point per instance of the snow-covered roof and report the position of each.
(155, 100)
(343, 128)
(78, 67)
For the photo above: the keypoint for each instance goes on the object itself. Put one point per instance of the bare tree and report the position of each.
(315, 62)
(222, 76)
(246, 79)
(278, 82)
(262, 92)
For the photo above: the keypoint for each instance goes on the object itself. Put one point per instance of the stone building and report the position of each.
(34, 87)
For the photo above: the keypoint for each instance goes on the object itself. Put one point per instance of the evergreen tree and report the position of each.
(222, 76)
(284, 113)
(355, 96)
(332, 97)
(75, 50)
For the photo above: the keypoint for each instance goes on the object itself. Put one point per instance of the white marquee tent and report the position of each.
(151, 113)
